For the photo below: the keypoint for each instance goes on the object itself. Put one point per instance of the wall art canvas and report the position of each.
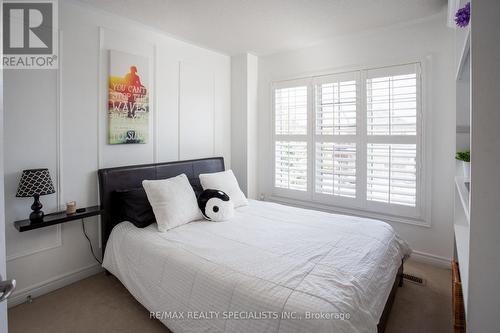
(128, 98)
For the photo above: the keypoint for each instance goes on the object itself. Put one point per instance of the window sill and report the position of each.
(347, 211)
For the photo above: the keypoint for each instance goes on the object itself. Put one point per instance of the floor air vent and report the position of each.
(414, 279)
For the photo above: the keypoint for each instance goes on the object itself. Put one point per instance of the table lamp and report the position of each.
(34, 183)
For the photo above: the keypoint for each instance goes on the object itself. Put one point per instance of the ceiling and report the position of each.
(266, 26)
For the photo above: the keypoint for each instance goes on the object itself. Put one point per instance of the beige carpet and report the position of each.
(101, 304)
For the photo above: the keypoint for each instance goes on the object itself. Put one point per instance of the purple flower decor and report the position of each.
(462, 17)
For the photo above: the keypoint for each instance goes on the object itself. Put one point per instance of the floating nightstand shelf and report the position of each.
(57, 218)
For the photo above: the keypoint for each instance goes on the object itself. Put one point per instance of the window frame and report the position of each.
(418, 215)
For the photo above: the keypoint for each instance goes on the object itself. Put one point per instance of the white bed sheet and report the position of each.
(269, 262)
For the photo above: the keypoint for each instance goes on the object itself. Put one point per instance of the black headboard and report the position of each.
(128, 177)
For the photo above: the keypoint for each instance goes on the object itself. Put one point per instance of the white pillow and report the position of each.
(224, 181)
(173, 201)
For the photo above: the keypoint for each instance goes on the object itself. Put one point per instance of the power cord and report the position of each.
(90, 242)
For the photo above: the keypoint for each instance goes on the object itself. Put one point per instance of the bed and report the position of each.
(272, 268)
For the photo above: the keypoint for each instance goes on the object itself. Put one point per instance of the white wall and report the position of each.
(244, 115)
(3, 305)
(252, 125)
(57, 119)
(426, 38)
(239, 142)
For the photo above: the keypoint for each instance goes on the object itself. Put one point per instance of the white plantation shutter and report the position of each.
(392, 173)
(291, 165)
(291, 123)
(392, 108)
(291, 110)
(336, 104)
(352, 140)
(336, 169)
(392, 105)
(335, 110)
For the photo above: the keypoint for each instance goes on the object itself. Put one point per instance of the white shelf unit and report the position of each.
(463, 196)
(478, 242)
(463, 45)
(461, 227)
(461, 220)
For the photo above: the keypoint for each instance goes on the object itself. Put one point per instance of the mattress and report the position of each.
(272, 268)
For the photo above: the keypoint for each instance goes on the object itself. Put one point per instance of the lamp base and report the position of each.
(37, 214)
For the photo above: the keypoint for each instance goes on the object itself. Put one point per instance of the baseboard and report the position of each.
(39, 289)
(431, 259)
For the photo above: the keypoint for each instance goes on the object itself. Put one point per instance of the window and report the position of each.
(392, 104)
(351, 140)
(290, 109)
(392, 173)
(336, 105)
(336, 169)
(291, 165)
(335, 112)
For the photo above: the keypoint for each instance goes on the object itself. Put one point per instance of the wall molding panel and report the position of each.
(100, 39)
(155, 107)
(59, 165)
(59, 129)
(179, 81)
(196, 115)
(22, 254)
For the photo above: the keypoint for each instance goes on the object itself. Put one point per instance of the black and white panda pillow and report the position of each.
(215, 205)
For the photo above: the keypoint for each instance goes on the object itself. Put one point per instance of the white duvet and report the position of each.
(272, 268)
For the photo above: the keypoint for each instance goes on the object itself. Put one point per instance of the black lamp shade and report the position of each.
(35, 181)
